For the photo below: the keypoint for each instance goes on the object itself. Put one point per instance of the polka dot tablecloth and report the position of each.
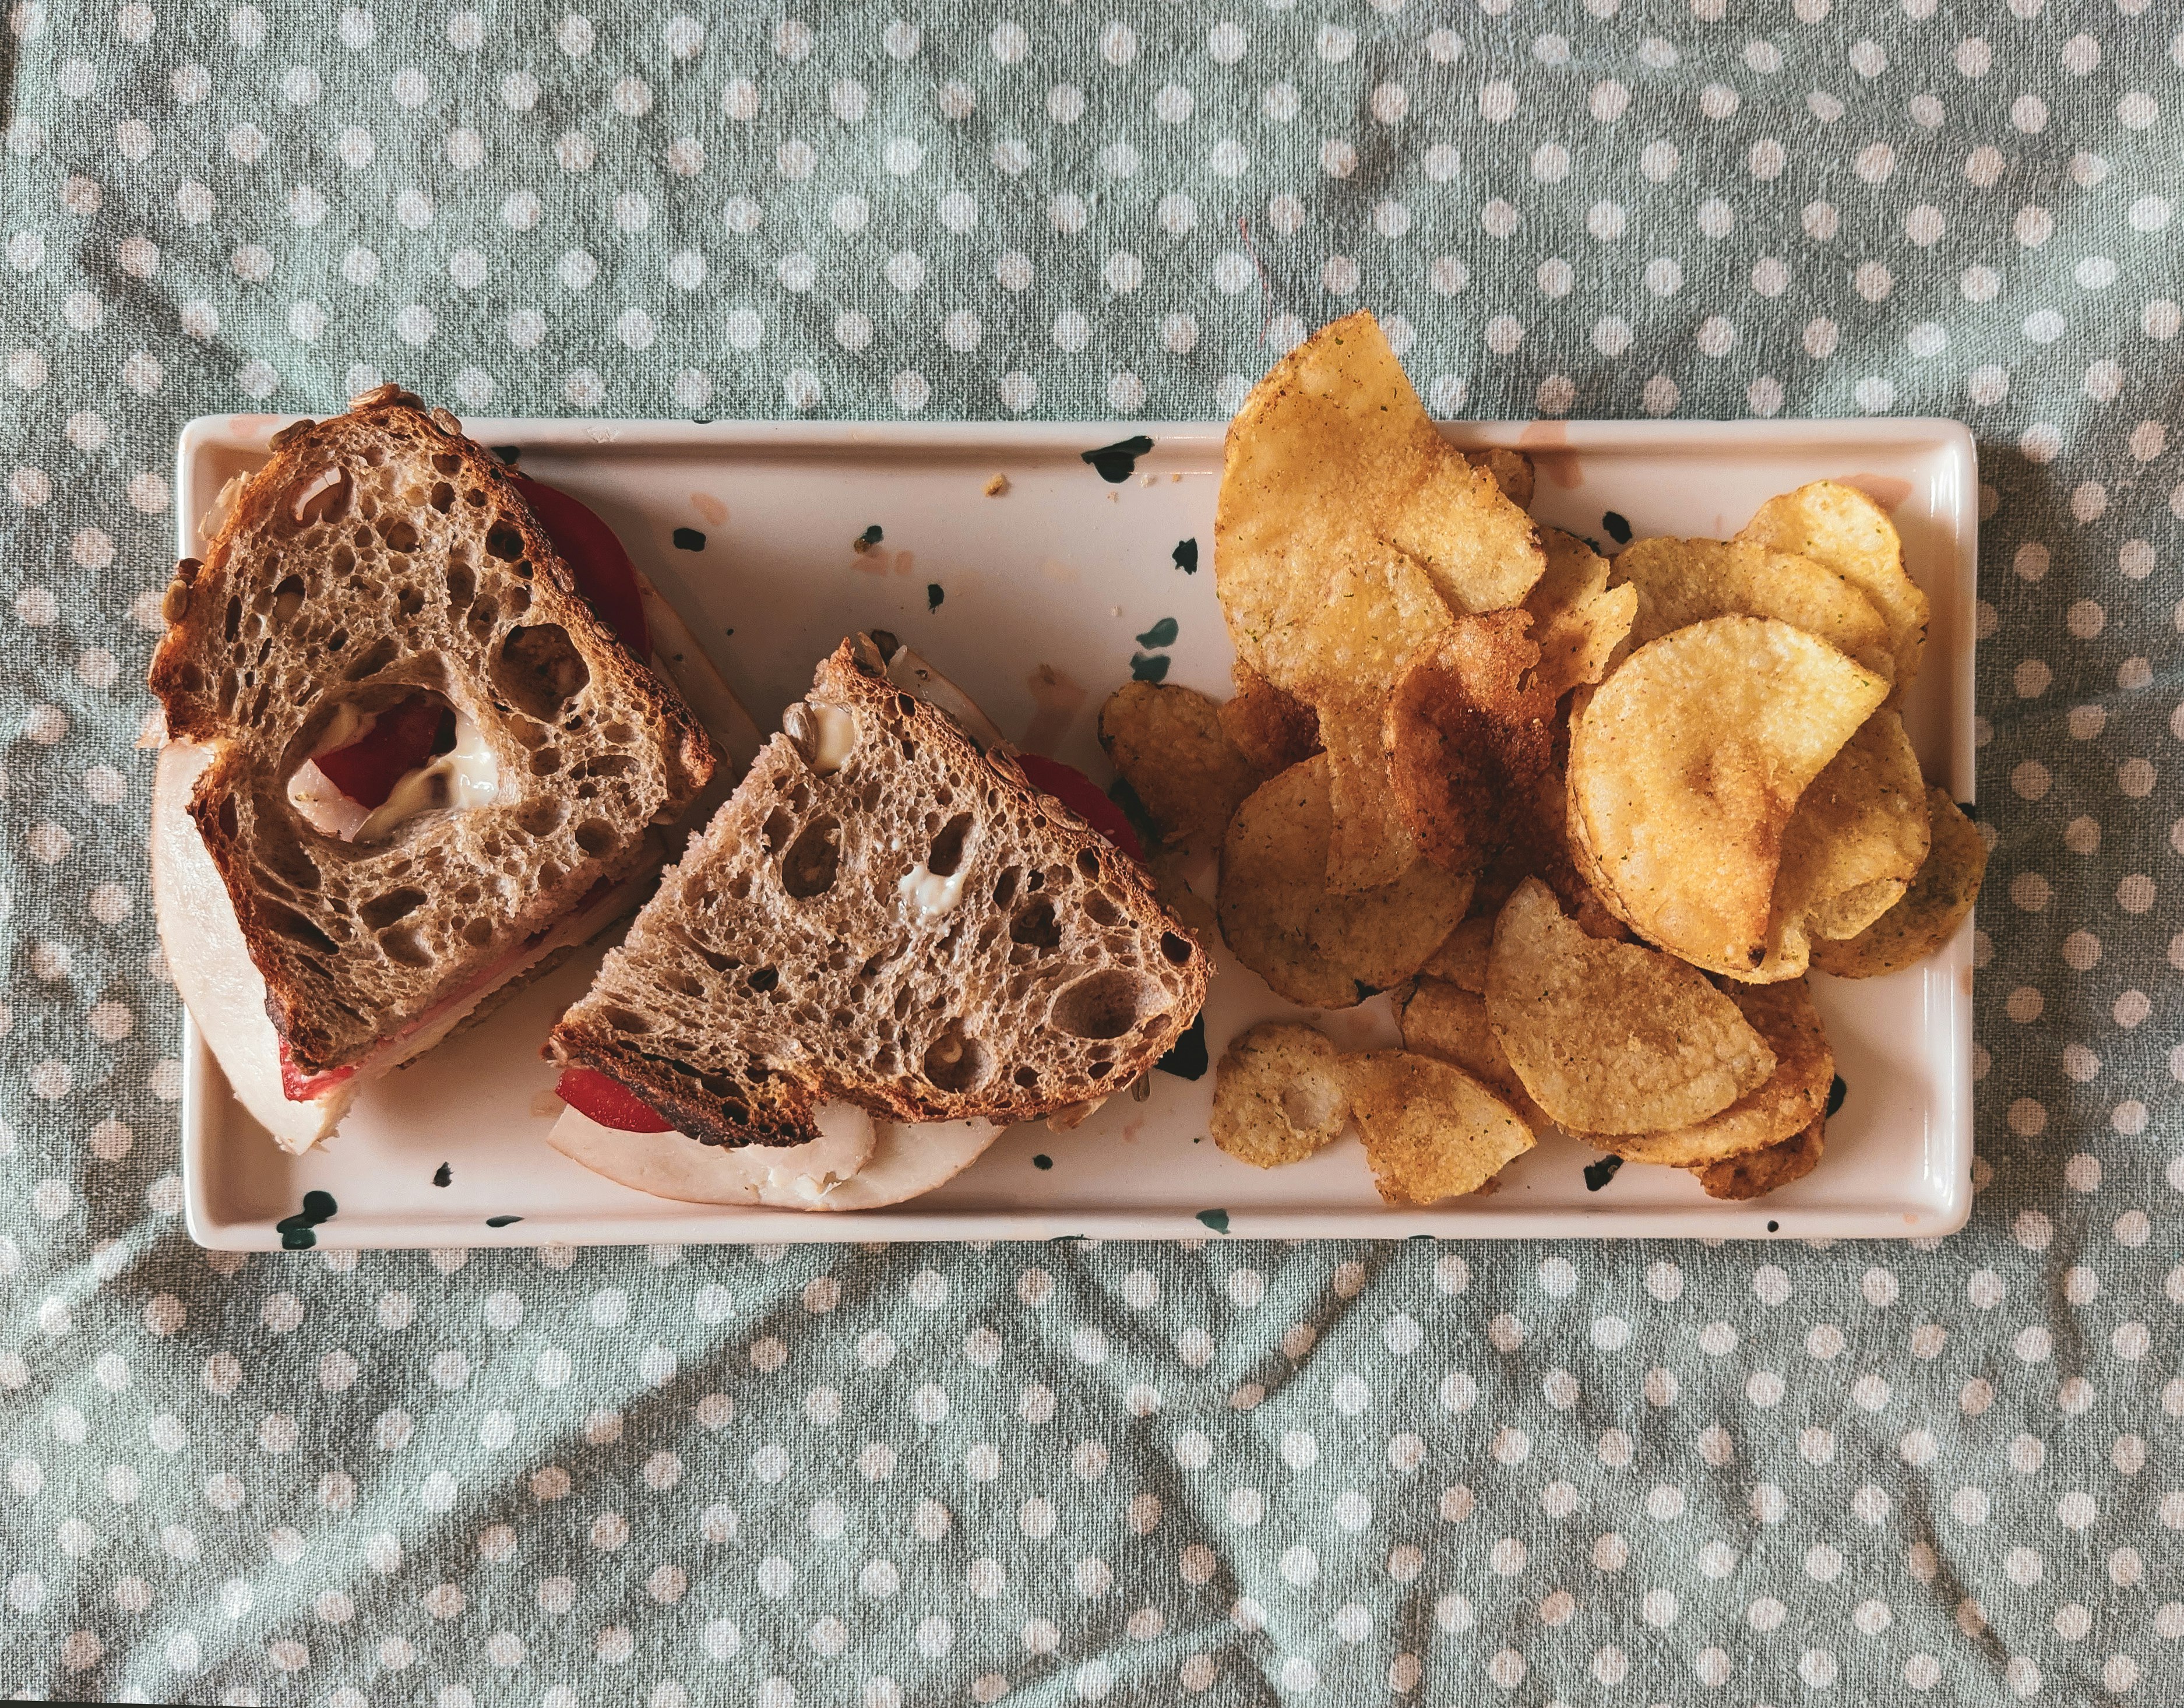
(1944, 1471)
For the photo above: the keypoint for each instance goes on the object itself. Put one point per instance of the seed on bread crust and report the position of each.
(388, 393)
(796, 723)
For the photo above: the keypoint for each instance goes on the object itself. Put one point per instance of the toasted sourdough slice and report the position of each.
(380, 555)
(883, 915)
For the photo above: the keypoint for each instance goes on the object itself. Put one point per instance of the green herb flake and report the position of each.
(1117, 461)
(1186, 1058)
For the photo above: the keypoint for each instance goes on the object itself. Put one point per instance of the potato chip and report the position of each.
(1379, 610)
(1680, 581)
(1613, 1037)
(1382, 612)
(1468, 727)
(1169, 744)
(1269, 726)
(1431, 1131)
(1753, 1176)
(1450, 1024)
(1578, 620)
(1931, 909)
(1795, 1095)
(1280, 1092)
(1333, 446)
(1839, 526)
(1347, 531)
(1311, 945)
(1511, 471)
(1461, 960)
(1858, 838)
(1685, 766)
(1849, 912)
(1368, 844)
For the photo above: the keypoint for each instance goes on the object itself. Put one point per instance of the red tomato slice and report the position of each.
(1082, 796)
(605, 575)
(300, 1087)
(402, 738)
(609, 1102)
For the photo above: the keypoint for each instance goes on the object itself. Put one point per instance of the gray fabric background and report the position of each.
(1240, 1473)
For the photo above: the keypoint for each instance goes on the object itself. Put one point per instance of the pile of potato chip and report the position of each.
(1430, 1130)
(1591, 820)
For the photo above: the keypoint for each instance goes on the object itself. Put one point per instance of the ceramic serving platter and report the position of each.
(1036, 600)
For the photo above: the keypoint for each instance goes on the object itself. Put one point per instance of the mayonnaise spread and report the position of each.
(925, 895)
(837, 737)
(465, 776)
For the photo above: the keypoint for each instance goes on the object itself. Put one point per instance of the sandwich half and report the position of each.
(884, 948)
(406, 761)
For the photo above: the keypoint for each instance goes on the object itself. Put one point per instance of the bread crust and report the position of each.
(744, 996)
(423, 568)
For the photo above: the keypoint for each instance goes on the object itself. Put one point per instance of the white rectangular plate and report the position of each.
(1044, 591)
